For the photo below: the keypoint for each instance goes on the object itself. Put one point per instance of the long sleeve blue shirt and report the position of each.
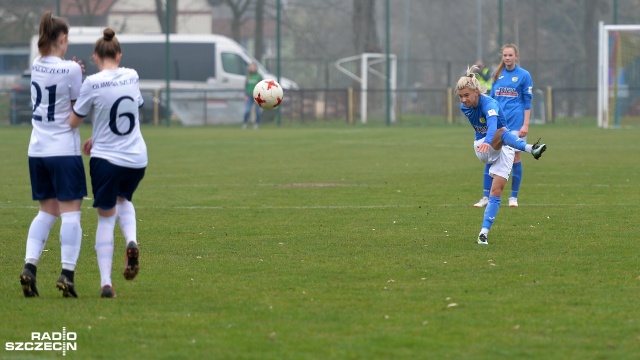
(514, 91)
(485, 118)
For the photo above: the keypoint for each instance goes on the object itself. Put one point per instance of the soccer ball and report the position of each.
(268, 94)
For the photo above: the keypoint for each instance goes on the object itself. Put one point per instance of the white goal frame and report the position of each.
(367, 60)
(604, 90)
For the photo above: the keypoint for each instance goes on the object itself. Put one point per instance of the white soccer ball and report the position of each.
(268, 94)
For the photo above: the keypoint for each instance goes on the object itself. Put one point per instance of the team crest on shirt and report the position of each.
(514, 79)
(482, 120)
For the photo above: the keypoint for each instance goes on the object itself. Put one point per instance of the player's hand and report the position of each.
(86, 147)
(483, 148)
(523, 131)
(79, 63)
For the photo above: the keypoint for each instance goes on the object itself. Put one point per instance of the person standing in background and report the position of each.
(253, 78)
(513, 89)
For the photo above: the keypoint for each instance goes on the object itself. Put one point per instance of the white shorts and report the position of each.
(501, 160)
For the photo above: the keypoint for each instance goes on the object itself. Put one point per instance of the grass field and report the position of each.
(345, 242)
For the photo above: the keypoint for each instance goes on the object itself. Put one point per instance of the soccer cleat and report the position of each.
(482, 203)
(537, 149)
(28, 282)
(482, 239)
(131, 266)
(107, 292)
(513, 202)
(66, 286)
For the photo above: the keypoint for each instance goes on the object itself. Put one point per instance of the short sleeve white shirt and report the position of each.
(114, 96)
(55, 83)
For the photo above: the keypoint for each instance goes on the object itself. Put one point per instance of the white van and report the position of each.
(205, 69)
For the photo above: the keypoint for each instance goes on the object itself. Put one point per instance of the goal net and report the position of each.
(619, 76)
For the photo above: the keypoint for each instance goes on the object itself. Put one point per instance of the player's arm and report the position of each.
(527, 96)
(492, 125)
(75, 119)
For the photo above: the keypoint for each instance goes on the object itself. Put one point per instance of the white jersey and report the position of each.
(115, 98)
(55, 83)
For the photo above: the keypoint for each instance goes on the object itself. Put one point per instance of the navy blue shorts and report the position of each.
(59, 177)
(108, 181)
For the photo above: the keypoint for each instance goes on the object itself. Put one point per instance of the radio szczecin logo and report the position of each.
(46, 341)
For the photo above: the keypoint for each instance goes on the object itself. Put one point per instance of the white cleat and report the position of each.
(513, 202)
(482, 203)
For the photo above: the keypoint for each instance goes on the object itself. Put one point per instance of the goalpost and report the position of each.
(618, 75)
(368, 62)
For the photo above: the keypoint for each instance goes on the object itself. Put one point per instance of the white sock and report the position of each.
(70, 239)
(104, 247)
(126, 215)
(38, 234)
(528, 148)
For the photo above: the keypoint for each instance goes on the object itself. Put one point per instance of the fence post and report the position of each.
(449, 106)
(350, 105)
(549, 107)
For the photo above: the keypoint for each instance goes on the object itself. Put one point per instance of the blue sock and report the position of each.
(491, 212)
(516, 179)
(512, 140)
(486, 181)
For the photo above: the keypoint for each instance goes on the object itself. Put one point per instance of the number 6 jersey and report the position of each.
(55, 83)
(115, 98)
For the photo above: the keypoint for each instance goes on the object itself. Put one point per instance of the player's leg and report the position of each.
(126, 215)
(104, 181)
(247, 111)
(515, 180)
(500, 171)
(258, 116)
(43, 191)
(509, 139)
(486, 188)
(71, 186)
(70, 243)
(36, 239)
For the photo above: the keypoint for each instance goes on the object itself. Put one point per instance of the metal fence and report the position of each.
(412, 106)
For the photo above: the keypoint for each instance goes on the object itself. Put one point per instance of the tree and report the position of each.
(365, 37)
(238, 10)
(258, 49)
(20, 20)
(86, 8)
(162, 15)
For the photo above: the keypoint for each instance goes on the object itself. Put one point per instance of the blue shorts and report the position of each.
(59, 177)
(108, 181)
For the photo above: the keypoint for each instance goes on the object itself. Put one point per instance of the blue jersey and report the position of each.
(485, 118)
(513, 90)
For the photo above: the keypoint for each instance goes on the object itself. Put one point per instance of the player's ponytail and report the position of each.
(51, 27)
(470, 81)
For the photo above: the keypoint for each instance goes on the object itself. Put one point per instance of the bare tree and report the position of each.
(259, 31)
(86, 8)
(20, 20)
(365, 36)
(161, 12)
(238, 10)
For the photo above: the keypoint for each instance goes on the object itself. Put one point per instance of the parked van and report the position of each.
(205, 69)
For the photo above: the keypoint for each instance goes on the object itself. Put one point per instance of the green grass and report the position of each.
(346, 242)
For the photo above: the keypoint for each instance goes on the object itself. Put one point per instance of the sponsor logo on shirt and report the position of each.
(507, 91)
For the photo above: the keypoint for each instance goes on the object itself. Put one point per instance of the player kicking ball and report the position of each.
(491, 134)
